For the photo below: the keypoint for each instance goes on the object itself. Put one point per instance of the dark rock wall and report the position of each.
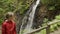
(41, 13)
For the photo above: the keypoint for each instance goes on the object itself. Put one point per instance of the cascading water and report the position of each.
(24, 21)
(30, 19)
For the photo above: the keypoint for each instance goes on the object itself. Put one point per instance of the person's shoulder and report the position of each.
(13, 22)
(4, 23)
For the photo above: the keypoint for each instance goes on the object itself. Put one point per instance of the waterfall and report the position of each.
(30, 19)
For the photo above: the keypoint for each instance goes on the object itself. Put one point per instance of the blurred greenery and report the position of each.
(51, 4)
(23, 5)
(12, 5)
(58, 17)
(52, 27)
(41, 32)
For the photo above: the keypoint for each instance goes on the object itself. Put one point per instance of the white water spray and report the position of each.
(30, 18)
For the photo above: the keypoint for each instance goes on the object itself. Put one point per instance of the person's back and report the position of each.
(9, 26)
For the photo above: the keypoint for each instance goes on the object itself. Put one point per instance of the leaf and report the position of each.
(51, 8)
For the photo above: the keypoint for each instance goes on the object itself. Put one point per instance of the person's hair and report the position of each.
(8, 15)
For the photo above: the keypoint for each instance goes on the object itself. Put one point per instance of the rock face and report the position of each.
(41, 13)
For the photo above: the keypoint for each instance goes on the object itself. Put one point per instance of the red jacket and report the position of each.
(8, 27)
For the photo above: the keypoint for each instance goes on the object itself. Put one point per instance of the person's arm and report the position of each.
(15, 29)
(3, 29)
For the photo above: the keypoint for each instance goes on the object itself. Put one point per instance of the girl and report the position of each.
(9, 26)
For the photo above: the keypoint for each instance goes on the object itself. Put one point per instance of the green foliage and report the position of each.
(45, 20)
(48, 2)
(23, 6)
(7, 5)
(52, 29)
(41, 32)
(51, 8)
(51, 4)
(11, 5)
(1, 21)
(57, 17)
